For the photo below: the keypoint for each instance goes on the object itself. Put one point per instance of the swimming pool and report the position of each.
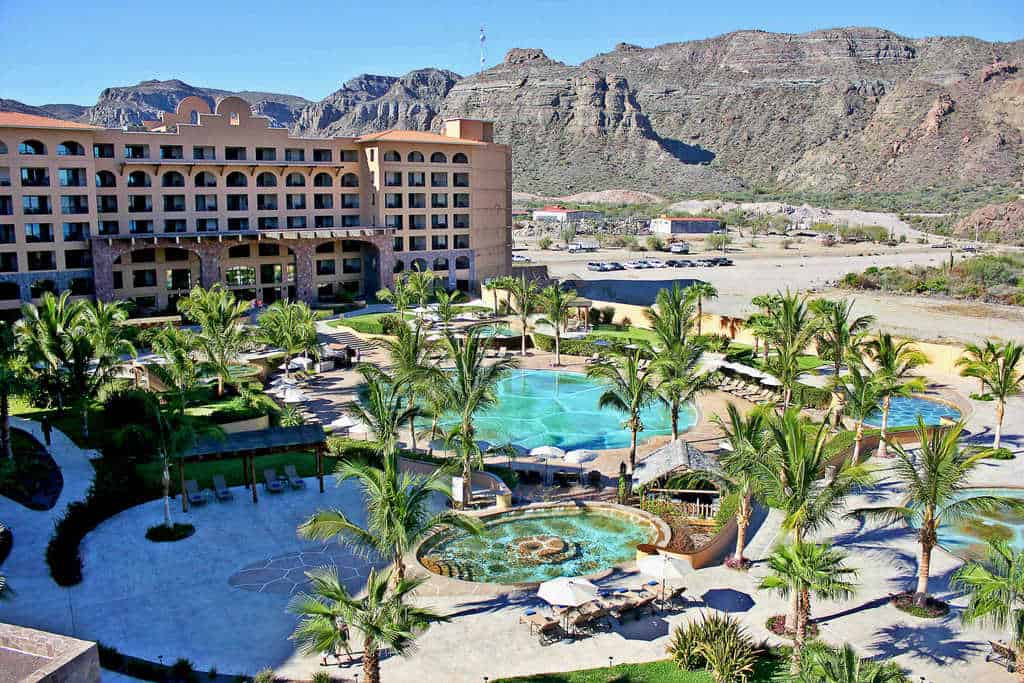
(903, 412)
(549, 408)
(967, 538)
(531, 546)
(496, 331)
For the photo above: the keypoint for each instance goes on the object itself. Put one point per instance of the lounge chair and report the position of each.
(294, 479)
(195, 496)
(591, 618)
(270, 481)
(220, 488)
(675, 596)
(546, 628)
(596, 358)
(1002, 655)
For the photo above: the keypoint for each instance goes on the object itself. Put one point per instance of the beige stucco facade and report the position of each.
(218, 196)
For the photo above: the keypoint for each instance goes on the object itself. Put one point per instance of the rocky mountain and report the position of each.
(839, 111)
(1002, 223)
(60, 111)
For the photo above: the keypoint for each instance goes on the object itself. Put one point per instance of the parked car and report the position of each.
(655, 263)
(636, 265)
(680, 248)
(519, 258)
(615, 265)
(595, 266)
(942, 245)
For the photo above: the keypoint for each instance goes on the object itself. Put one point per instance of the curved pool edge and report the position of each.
(973, 487)
(448, 584)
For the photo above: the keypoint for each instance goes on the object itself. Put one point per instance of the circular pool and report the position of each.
(903, 412)
(548, 408)
(968, 538)
(537, 544)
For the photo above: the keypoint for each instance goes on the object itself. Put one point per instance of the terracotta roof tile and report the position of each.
(415, 136)
(11, 119)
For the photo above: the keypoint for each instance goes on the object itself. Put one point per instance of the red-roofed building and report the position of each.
(681, 225)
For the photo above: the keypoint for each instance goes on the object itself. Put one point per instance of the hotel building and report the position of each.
(145, 214)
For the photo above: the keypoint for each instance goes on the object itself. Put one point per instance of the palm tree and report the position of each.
(13, 373)
(861, 394)
(628, 389)
(839, 332)
(1002, 376)
(678, 381)
(996, 587)
(398, 506)
(793, 327)
(934, 481)
(671, 317)
(44, 334)
(291, 327)
(760, 323)
(382, 617)
(178, 370)
(894, 361)
(384, 408)
(525, 293)
(469, 387)
(978, 354)
(409, 354)
(421, 286)
(556, 303)
(399, 295)
(826, 665)
(806, 570)
(446, 301)
(749, 442)
(698, 292)
(222, 337)
(98, 347)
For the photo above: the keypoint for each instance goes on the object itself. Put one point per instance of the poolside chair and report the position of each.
(270, 481)
(547, 629)
(195, 496)
(596, 358)
(294, 479)
(220, 488)
(590, 618)
(1003, 655)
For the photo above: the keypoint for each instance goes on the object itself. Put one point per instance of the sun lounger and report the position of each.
(596, 358)
(220, 488)
(195, 496)
(590, 618)
(294, 479)
(546, 628)
(1002, 655)
(270, 481)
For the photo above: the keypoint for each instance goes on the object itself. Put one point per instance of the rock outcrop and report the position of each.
(1003, 223)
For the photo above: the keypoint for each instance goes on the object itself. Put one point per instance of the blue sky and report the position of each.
(67, 51)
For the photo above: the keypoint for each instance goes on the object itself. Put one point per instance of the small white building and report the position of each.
(679, 225)
(561, 214)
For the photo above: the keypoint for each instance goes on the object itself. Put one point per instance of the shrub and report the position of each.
(164, 534)
(726, 510)
(567, 233)
(718, 643)
(320, 677)
(265, 676)
(182, 670)
(931, 609)
(608, 315)
(389, 324)
(545, 242)
(630, 242)
(1001, 453)
(655, 243)
(717, 240)
(129, 417)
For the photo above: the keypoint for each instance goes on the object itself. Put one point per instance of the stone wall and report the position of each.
(61, 659)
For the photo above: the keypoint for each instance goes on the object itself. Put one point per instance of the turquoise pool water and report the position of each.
(967, 539)
(903, 412)
(548, 408)
(534, 547)
(497, 331)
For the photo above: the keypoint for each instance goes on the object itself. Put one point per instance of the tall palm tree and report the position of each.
(400, 295)
(861, 395)
(996, 587)
(469, 387)
(671, 317)
(222, 336)
(793, 328)
(978, 354)
(384, 408)
(44, 333)
(805, 570)
(291, 327)
(699, 292)
(13, 380)
(894, 361)
(525, 293)
(409, 355)
(97, 347)
(421, 286)
(749, 442)
(1002, 376)
(934, 480)
(398, 511)
(446, 301)
(382, 617)
(826, 665)
(839, 331)
(678, 382)
(759, 323)
(629, 389)
(178, 370)
(556, 303)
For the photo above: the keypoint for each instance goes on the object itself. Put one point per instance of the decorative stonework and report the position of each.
(286, 574)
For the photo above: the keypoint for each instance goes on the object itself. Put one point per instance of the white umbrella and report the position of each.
(566, 591)
(580, 455)
(296, 364)
(664, 568)
(342, 423)
(770, 381)
(292, 395)
(548, 452)
(281, 379)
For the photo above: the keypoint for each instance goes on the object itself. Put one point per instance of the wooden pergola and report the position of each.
(250, 445)
(582, 307)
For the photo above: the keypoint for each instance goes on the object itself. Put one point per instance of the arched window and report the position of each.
(138, 179)
(350, 180)
(40, 287)
(236, 179)
(440, 263)
(322, 180)
(460, 158)
(172, 179)
(9, 291)
(31, 147)
(233, 118)
(438, 158)
(420, 265)
(105, 179)
(295, 180)
(266, 179)
(399, 267)
(392, 155)
(206, 179)
(415, 157)
(3, 147)
(461, 263)
(70, 148)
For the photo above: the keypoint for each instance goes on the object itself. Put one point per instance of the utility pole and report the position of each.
(483, 46)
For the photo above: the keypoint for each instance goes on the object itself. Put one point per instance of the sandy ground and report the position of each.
(806, 265)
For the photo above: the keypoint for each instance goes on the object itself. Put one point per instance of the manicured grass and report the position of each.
(70, 422)
(768, 669)
(203, 472)
(613, 332)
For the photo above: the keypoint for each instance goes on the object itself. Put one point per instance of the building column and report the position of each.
(209, 263)
(304, 271)
(103, 270)
(452, 280)
(385, 260)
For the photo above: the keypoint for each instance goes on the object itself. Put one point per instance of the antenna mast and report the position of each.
(483, 41)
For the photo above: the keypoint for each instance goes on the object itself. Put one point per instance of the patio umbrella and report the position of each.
(580, 455)
(567, 591)
(548, 452)
(664, 568)
(342, 423)
(292, 395)
(281, 379)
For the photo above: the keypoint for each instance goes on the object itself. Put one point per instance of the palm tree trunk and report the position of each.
(787, 396)
(495, 301)
(433, 435)
(558, 347)
(1000, 411)
(467, 475)
(522, 339)
(85, 419)
(412, 432)
(220, 385)
(632, 451)
(398, 575)
(742, 521)
(5, 426)
(700, 315)
(675, 421)
(883, 450)
(371, 662)
(857, 441)
(923, 572)
(167, 492)
(803, 600)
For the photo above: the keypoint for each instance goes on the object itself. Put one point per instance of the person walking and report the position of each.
(47, 430)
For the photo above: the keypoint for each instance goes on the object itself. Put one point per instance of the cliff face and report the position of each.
(1003, 223)
(852, 110)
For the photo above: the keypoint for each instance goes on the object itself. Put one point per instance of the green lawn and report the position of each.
(769, 669)
(613, 332)
(70, 423)
(202, 472)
